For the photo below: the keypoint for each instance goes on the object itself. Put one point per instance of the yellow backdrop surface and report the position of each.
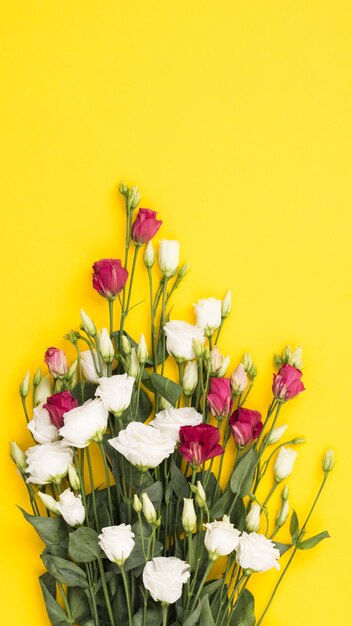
(234, 118)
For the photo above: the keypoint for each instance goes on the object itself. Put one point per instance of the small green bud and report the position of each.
(198, 348)
(226, 305)
(163, 403)
(105, 346)
(126, 346)
(149, 255)
(18, 456)
(184, 269)
(133, 364)
(37, 377)
(74, 478)
(282, 514)
(48, 501)
(149, 511)
(328, 461)
(201, 497)
(142, 350)
(285, 493)
(298, 440)
(71, 372)
(87, 324)
(189, 518)
(24, 386)
(190, 378)
(137, 505)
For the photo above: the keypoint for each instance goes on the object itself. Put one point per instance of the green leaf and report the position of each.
(192, 619)
(294, 527)
(166, 387)
(243, 474)
(154, 616)
(65, 571)
(78, 603)
(83, 545)
(307, 544)
(144, 408)
(211, 587)
(206, 618)
(282, 547)
(88, 392)
(179, 481)
(52, 530)
(136, 557)
(56, 614)
(244, 611)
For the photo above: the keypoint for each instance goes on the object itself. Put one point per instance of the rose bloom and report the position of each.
(169, 257)
(109, 277)
(58, 404)
(219, 398)
(71, 508)
(163, 577)
(208, 314)
(245, 425)
(88, 364)
(170, 420)
(200, 443)
(115, 392)
(142, 445)
(145, 226)
(48, 463)
(179, 339)
(287, 383)
(221, 538)
(56, 362)
(85, 424)
(117, 542)
(256, 552)
(41, 426)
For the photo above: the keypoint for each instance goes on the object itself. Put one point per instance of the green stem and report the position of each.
(202, 583)
(107, 477)
(67, 606)
(91, 477)
(270, 493)
(152, 320)
(25, 409)
(111, 317)
(106, 592)
(165, 611)
(127, 593)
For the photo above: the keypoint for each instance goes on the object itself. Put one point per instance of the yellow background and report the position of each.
(234, 120)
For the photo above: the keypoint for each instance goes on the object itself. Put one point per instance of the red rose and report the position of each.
(56, 362)
(287, 383)
(200, 443)
(246, 426)
(219, 397)
(58, 404)
(145, 226)
(109, 277)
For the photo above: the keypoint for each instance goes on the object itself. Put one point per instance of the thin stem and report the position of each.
(103, 454)
(106, 592)
(25, 409)
(165, 611)
(111, 317)
(202, 583)
(127, 593)
(152, 320)
(91, 477)
(270, 493)
(67, 606)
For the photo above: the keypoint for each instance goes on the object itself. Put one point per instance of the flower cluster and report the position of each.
(139, 549)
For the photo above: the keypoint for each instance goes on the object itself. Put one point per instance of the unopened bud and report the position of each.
(183, 270)
(18, 456)
(105, 346)
(142, 351)
(190, 378)
(253, 518)
(149, 255)
(276, 434)
(285, 493)
(37, 377)
(328, 461)
(163, 403)
(73, 478)
(226, 305)
(239, 380)
(297, 440)
(206, 354)
(297, 359)
(71, 372)
(48, 501)
(87, 324)
(189, 518)
(247, 361)
(43, 391)
(198, 347)
(126, 346)
(123, 188)
(149, 511)
(201, 497)
(24, 386)
(133, 364)
(282, 514)
(137, 505)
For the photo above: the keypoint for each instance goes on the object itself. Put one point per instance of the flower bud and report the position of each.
(239, 380)
(105, 346)
(126, 346)
(206, 354)
(190, 378)
(226, 305)
(142, 350)
(18, 456)
(123, 188)
(71, 372)
(198, 347)
(201, 498)
(134, 197)
(285, 492)
(74, 478)
(149, 255)
(137, 505)
(37, 377)
(43, 391)
(297, 440)
(48, 501)
(296, 358)
(24, 386)
(282, 514)
(247, 361)
(284, 463)
(328, 461)
(149, 511)
(133, 364)
(276, 434)
(87, 324)
(163, 403)
(189, 518)
(184, 269)
(169, 257)
(253, 518)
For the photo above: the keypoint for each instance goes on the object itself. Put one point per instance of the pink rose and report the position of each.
(245, 425)
(109, 277)
(199, 443)
(59, 404)
(145, 226)
(219, 397)
(56, 362)
(287, 383)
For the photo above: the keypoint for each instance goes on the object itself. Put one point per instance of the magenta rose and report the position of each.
(56, 362)
(59, 404)
(287, 383)
(219, 398)
(199, 443)
(145, 226)
(109, 277)
(246, 426)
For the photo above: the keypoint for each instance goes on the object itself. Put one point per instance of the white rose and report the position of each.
(208, 313)
(41, 426)
(284, 463)
(257, 553)
(163, 577)
(89, 370)
(85, 424)
(71, 508)
(115, 392)
(169, 257)
(43, 391)
(143, 445)
(253, 518)
(170, 420)
(48, 462)
(179, 339)
(117, 542)
(221, 538)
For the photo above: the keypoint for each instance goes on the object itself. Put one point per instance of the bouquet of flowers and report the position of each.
(138, 548)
